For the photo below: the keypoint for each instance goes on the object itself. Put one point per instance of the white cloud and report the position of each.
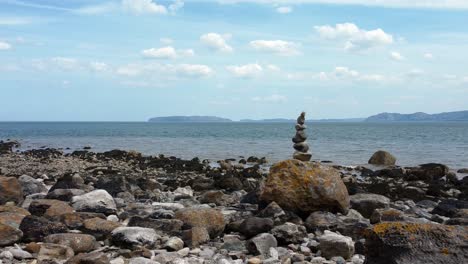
(354, 37)
(216, 41)
(431, 4)
(14, 21)
(194, 70)
(274, 98)
(143, 7)
(397, 56)
(280, 47)
(5, 45)
(174, 7)
(65, 63)
(167, 53)
(246, 71)
(284, 9)
(340, 73)
(166, 70)
(428, 56)
(98, 66)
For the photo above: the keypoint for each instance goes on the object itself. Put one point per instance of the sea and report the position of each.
(342, 143)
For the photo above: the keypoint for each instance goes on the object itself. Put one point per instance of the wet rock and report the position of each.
(253, 226)
(9, 235)
(464, 170)
(98, 201)
(195, 236)
(399, 242)
(211, 219)
(134, 236)
(53, 253)
(305, 187)
(36, 228)
(289, 233)
(99, 228)
(382, 157)
(261, 244)
(366, 203)
(49, 208)
(333, 244)
(10, 190)
(429, 172)
(80, 243)
(89, 258)
(29, 185)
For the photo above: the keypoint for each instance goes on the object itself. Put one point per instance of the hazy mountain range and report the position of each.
(382, 117)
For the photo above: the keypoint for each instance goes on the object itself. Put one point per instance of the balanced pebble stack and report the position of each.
(300, 145)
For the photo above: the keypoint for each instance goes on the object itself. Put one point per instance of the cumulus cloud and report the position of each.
(246, 71)
(339, 73)
(274, 98)
(5, 45)
(143, 7)
(397, 56)
(174, 7)
(284, 9)
(279, 47)
(166, 70)
(354, 37)
(216, 41)
(167, 53)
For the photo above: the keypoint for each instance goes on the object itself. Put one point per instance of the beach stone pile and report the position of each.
(300, 145)
(121, 207)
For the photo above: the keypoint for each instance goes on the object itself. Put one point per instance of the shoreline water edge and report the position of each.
(124, 207)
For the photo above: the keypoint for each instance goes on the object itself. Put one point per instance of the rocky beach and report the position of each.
(124, 207)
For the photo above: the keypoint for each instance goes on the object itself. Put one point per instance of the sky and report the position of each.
(129, 60)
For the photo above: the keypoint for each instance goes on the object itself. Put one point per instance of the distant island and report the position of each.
(382, 117)
(420, 116)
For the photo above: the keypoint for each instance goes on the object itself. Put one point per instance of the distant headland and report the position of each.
(382, 117)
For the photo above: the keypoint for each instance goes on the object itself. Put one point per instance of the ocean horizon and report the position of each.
(345, 143)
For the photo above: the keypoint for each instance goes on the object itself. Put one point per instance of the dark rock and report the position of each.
(36, 228)
(399, 242)
(464, 170)
(450, 207)
(171, 226)
(429, 172)
(289, 233)
(7, 146)
(10, 190)
(253, 226)
(64, 194)
(49, 208)
(366, 203)
(382, 157)
(70, 181)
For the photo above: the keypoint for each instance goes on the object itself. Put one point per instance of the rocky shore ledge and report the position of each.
(122, 207)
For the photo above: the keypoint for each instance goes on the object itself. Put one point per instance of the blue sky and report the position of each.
(129, 60)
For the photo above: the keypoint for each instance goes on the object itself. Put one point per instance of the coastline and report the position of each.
(148, 194)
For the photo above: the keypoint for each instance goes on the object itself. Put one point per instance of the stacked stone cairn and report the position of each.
(300, 145)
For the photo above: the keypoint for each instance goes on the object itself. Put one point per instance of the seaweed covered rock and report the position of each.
(304, 187)
(401, 242)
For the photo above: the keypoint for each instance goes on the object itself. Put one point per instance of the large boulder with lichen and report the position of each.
(304, 187)
(382, 158)
(403, 242)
